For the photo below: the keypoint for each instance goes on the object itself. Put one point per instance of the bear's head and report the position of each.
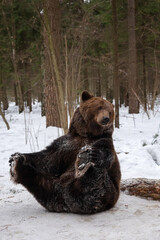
(94, 117)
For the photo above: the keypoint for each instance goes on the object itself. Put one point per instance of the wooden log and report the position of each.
(143, 187)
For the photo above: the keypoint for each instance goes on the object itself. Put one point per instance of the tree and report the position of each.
(20, 43)
(80, 52)
(55, 108)
(148, 40)
(52, 19)
(132, 59)
(4, 119)
(115, 71)
(3, 93)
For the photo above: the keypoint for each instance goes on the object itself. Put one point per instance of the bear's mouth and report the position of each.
(107, 127)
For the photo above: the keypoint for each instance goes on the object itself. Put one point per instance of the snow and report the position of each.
(137, 143)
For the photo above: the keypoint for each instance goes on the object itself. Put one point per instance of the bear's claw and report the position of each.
(80, 167)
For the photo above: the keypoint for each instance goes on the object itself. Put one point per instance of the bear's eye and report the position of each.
(99, 108)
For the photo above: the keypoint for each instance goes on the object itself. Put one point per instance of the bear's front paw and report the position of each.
(87, 157)
(95, 156)
(13, 161)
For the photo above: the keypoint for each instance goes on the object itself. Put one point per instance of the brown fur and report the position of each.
(79, 172)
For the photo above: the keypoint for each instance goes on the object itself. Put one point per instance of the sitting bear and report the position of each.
(79, 172)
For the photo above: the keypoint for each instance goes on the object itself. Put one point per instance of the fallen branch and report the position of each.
(143, 187)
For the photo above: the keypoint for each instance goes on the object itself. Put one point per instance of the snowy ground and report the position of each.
(137, 143)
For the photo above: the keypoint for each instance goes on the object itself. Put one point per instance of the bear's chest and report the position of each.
(75, 144)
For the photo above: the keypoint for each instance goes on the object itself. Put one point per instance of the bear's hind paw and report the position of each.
(13, 164)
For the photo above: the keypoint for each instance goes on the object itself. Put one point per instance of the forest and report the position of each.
(50, 51)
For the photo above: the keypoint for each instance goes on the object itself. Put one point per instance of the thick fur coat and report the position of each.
(79, 172)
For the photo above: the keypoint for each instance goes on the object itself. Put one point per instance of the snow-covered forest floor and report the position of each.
(137, 143)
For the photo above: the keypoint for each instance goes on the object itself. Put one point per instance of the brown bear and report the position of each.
(79, 172)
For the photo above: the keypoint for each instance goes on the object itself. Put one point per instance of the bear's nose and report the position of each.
(105, 120)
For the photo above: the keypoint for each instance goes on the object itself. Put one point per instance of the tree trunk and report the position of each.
(122, 95)
(147, 188)
(55, 108)
(29, 95)
(132, 61)
(144, 79)
(98, 83)
(3, 92)
(4, 119)
(15, 94)
(156, 81)
(115, 71)
(126, 99)
(51, 100)
(85, 75)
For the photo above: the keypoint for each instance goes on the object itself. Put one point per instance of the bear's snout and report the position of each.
(105, 120)
(103, 117)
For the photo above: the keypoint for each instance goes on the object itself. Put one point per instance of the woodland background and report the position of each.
(51, 51)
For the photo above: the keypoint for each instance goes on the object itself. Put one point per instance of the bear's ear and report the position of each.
(86, 95)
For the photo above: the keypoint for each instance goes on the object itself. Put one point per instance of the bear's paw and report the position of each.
(87, 157)
(13, 161)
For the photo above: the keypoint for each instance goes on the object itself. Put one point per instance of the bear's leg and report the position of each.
(88, 189)
(35, 183)
(91, 189)
(93, 192)
(42, 162)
